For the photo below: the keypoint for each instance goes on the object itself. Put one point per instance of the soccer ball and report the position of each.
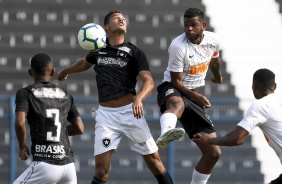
(91, 37)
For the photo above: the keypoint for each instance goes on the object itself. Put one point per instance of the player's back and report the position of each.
(47, 107)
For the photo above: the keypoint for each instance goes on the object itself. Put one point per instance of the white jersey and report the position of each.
(266, 114)
(192, 59)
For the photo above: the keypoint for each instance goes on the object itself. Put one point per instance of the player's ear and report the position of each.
(204, 25)
(274, 86)
(30, 72)
(106, 27)
(52, 72)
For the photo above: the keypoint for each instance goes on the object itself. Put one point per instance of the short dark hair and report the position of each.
(194, 12)
(39, 62)
(264, 78)
(107, 17)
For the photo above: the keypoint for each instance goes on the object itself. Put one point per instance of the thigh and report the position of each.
(103, 160)
(107, 137)
(165, 91)
(195, 119)
(138, 133)
(39, 173)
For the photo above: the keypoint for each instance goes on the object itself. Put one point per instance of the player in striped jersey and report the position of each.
(48, 109)
(120, 112)
(190, 56)
(264, 113)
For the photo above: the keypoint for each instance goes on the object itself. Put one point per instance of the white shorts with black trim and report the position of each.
(113, 123)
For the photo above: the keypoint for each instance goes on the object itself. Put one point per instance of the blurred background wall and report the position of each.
(251, 37)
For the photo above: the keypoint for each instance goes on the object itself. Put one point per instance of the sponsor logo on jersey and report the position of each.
(54, 149)
(169, 91)
(48, 93)
(102, 52)
(111, 61)
(199, 69)
(106, 142)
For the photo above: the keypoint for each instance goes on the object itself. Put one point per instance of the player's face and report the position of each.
(117, 23)
(193, 28)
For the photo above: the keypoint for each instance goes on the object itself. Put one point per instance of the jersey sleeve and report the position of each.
(21, 100)
(142, 60)
(176, 58)
(90, 58)
(73, 112)
(256, 115)
(217, 47)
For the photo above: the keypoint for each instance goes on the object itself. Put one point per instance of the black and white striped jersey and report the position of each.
(117, 68)
(48, 109)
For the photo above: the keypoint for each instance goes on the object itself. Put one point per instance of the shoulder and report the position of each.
(212, 36)
(179, 42)
(24, 90)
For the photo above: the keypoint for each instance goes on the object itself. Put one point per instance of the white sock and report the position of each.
(199, 178)
(168, 121)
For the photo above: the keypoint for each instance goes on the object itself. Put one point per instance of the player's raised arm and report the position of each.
(79, 66)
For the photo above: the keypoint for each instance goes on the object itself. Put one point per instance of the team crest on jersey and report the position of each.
(106, 142)
(121, 53)
(169, 91)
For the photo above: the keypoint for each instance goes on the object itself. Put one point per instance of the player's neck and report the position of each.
(116, 39)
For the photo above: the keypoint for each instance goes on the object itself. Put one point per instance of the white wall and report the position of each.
(251, 36)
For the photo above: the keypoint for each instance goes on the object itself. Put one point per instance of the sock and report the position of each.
(168, 121)
(199, 178)
(97, 181)
(164, 178)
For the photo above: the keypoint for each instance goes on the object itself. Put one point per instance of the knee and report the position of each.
(215, 153)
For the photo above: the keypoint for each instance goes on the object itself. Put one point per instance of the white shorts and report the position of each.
(112, 123)
(44, 173)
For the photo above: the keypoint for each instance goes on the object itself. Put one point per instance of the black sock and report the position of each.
(164, 178)
(97, 181)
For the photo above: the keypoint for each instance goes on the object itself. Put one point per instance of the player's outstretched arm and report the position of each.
(76, 127)
(20, 129)
(215, 69)
(234, 138)
(79, 66)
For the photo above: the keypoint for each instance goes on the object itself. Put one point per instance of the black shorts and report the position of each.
(194, 118)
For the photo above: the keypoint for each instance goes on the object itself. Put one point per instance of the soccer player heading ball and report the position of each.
(120, 110)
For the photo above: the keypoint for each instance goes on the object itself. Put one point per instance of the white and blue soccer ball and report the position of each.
(91, 37)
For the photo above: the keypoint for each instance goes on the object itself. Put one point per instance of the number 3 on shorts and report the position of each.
(54, 113)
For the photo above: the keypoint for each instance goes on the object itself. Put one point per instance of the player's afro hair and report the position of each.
(264, 78)
(194, 12)
(39, 62)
